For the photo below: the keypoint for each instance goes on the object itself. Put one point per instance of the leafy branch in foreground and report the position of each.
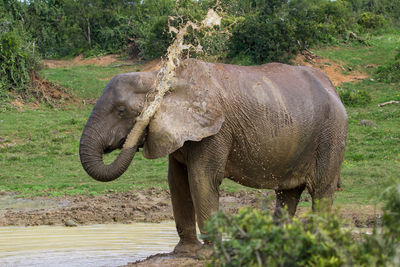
(254, 238)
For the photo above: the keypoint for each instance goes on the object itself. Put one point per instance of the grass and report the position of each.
(372, 158)
(380, 50)
(39, 148)
(39, 156)
(85, 81)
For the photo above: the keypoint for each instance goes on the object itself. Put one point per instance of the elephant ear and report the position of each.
(190, 111)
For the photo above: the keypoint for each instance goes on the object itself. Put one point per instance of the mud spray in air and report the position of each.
(167, 73)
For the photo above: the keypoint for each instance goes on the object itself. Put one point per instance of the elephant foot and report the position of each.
(204, 252)
(187, 248)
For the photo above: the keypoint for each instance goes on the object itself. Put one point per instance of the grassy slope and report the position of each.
(40, 151)
(372, 159)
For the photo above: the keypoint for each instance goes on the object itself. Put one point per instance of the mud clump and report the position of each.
(167, 259)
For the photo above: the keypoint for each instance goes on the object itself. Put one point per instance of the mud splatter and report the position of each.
(167, 73)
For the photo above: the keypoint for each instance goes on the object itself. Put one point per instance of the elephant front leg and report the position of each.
(205, 195)
(206, 162)
(183, 208)
(205, 176)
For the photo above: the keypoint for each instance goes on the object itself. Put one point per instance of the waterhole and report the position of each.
(94, 245)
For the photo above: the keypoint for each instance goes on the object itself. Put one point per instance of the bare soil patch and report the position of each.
(81, 61)
(42, 91)
(337, 72)
(152, 65)
(149, 205)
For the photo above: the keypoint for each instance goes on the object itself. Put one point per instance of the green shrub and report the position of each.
(369, 20)
(391, 71)
(157, 40)
(353, 98)
(277, 30)
(13, 63)
(253, 238)
(17, 59)
(382, 247)
(265, 38)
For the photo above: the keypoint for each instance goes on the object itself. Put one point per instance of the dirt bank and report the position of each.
(150, 205)
(81, 61)
(337, 72)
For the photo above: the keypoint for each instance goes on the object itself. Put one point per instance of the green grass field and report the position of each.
(39, 147)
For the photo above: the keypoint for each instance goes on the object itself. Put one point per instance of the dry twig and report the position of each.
(388, 103)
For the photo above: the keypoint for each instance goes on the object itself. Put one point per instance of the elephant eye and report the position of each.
(121, 111)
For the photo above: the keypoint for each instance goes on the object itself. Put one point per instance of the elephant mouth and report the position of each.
(121, 143)
(109, 149)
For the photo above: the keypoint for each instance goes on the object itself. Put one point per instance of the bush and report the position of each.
(17, 59)
(253, 238)
(382, 247)
(265, 38)
(369, 20)
(391, 71)
(277, 30)
(353, 98)
(157, 40)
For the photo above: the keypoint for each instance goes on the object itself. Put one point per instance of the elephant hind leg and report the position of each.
(324, 180)
(288, 198)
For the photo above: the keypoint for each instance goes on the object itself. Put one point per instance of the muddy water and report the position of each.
(95, 245)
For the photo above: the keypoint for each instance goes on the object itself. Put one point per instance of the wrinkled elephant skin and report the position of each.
(273, 126)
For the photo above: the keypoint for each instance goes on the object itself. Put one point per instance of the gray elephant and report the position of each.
(273, 126)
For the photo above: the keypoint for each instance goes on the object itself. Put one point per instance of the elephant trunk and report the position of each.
(91, 150)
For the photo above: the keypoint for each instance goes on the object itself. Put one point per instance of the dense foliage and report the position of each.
(263, 30)
(275, 32)
(18, 60)
(253, 238)
(255, 31)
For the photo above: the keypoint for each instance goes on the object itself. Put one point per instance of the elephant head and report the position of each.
(190, 111)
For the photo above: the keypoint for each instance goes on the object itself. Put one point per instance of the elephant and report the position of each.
(273, 126)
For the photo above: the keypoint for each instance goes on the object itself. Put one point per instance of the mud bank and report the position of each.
(150, 205)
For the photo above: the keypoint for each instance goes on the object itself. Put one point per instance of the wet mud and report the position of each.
(149, 205)
(167, 259)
